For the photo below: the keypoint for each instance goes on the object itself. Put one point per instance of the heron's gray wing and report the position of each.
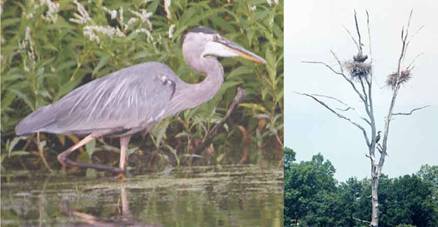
(127, 99)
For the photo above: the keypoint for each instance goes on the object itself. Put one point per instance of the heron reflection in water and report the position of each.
(134, 99)
(123, 216)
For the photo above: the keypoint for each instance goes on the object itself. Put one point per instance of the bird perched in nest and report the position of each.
(357, 68)
(360, 57)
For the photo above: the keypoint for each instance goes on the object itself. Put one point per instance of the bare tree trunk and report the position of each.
(374, 197)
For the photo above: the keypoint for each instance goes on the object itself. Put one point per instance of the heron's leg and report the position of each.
(65, 161)
(124, 141)
(63, 157)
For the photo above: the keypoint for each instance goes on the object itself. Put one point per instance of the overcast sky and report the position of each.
(312, 29)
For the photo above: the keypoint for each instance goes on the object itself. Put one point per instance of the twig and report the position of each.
(213, 132)
(352, 38)
(358, 32)
(410, 112)
(365, 95)
(410, 66)
(339, 73)
(339, 115)
(41, 154)
(369, 39)
(325, 64)
(333, 98)
(337, 60)
(348, 107)
(369, 81)
(363, 221)
(370, 157)
(246, 140)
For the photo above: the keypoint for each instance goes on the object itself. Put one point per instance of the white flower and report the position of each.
(27, 46)
(83, 17)
(91, 31)
(145, 31)
(51, 14)
(270, 2)
(1, 7)
(131, 21)
(171, 30)
(121, 15)
(144, 16)
(167, 9)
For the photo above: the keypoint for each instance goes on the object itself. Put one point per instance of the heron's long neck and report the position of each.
(204, 91)
(192, 95)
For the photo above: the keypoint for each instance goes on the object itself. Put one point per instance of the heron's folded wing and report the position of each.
(127, 99)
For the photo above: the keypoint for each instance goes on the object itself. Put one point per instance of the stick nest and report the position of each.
(358, 70)
(394, 80)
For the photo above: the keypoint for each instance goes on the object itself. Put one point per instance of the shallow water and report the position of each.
(235, 195)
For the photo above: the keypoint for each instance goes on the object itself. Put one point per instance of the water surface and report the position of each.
(234, 195)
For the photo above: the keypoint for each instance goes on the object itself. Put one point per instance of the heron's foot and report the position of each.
(63, 160)
(120, 176)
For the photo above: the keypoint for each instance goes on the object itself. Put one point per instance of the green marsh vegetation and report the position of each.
(49, 48)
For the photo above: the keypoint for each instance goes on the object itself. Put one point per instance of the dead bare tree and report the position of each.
(358, 73)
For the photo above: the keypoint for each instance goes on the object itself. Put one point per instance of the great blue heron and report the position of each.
(378, 137)
(135, 98)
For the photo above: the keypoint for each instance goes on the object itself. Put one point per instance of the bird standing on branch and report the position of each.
(378, 137)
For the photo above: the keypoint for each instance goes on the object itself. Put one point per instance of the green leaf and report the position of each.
(102, 62)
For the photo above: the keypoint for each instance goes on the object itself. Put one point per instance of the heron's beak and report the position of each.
(242, 52)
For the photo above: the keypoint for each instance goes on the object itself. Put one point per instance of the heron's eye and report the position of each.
(216, 38)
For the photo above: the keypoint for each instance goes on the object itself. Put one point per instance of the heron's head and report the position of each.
(202, 42)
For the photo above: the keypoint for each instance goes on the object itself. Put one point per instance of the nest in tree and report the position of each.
(358, 70)
(394, 80)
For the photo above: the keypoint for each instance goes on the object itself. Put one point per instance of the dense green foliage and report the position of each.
(314, 197)
(48, 50)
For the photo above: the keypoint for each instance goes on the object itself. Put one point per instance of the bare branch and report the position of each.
(352, 38)
(344, 110)
(339, 115)
(379, 147)
(338, 61)
(325, 64)
(360, 220)
(370, 80)
(409, 22)
(416, 32)
(358, 32)
(369, 39)
(410, 66)
(347, 106)
(240, 94)
(339, 73)
(365, 94)
(404, 36)
(333, 98)
(410, 112)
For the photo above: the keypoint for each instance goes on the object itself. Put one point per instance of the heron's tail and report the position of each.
(35, 121)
